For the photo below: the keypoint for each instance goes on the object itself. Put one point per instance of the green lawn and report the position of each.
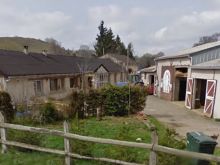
(122, 128)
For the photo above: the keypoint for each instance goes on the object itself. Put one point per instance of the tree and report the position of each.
(130, 50)
(55, 47)
(100, 44)
(147, 59)
(207, 39)
(106, 42)
(120, 47)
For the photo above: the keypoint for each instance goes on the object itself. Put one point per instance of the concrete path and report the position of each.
(175, 115)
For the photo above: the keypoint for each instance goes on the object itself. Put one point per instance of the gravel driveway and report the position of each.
(183, 120)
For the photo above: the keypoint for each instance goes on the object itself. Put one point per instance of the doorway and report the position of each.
(182, 89)
(200, 93)
(151, 79)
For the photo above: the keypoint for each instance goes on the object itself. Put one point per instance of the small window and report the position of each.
(73, 82)
(38, 87)
(57, 84)
(115, 77)
(54, 85)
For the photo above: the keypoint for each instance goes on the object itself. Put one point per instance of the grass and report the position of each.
(122, 128)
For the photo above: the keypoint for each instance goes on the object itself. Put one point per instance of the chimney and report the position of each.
(25, 49)
(44, 52)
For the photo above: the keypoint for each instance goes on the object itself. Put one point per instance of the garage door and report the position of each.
(210, 97)
(189, 90)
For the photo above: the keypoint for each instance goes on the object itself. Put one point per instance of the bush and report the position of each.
(113, 100)
(6, 107)
(48, 113)
(93, 101)
(77, 104)
(116, 100)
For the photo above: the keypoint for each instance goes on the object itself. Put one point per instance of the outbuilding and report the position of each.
(204, 88)
(173, 71)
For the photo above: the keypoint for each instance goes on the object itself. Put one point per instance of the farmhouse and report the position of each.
(191, 75)
(28, 76)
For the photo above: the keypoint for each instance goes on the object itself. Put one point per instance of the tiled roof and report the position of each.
(13, 63)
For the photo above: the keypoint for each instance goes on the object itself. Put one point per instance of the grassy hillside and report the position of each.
(35, 45)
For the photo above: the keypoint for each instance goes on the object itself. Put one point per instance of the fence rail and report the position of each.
(154, 147)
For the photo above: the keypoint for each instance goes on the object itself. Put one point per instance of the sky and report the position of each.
(151, 25)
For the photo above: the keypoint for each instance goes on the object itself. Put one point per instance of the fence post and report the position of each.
(3, 134)
(66, 144)
(154, 140)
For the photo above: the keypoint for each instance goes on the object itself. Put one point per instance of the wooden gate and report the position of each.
(189, 91)
(210, 97)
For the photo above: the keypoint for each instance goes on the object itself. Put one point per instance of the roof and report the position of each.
(150, 69)
(122, 58)
(214, 64)
(190, 51)
(13, 63)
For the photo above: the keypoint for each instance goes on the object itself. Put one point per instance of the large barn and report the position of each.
(191, 75)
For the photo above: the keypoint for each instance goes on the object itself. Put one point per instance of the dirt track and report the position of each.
(176, 116)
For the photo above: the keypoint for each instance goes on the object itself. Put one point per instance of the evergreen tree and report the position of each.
(100, 44)
(110, 42)
(106, 42)
(130, 50)
(120, 47)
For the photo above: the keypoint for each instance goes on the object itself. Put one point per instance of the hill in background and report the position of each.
(34, 45)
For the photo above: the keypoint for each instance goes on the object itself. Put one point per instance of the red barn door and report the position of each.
(210, 97)
(189, 91)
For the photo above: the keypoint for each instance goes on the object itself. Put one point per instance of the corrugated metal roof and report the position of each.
(190, 51)
(214, 64)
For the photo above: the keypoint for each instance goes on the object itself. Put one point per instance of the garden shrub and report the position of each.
(48, 113)
(93, 101)
(77, 104)
(116, 100)
(6, 106)
(112, 100)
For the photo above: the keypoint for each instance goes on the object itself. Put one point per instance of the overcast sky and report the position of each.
(151, 25)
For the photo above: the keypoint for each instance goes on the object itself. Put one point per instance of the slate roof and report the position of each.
(13, 63)
(190, 51)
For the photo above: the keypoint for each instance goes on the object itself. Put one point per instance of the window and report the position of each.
(102, 79)
(115, 77)
(38, 87)
(166, 82)
(54, 85)
(57, 84)
(73, 82)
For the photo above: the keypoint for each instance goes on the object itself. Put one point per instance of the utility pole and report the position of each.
(129, 87)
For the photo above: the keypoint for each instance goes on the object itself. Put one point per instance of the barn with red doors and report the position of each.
(203, 88)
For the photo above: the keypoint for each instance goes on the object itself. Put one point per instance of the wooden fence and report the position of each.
(153, 147)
